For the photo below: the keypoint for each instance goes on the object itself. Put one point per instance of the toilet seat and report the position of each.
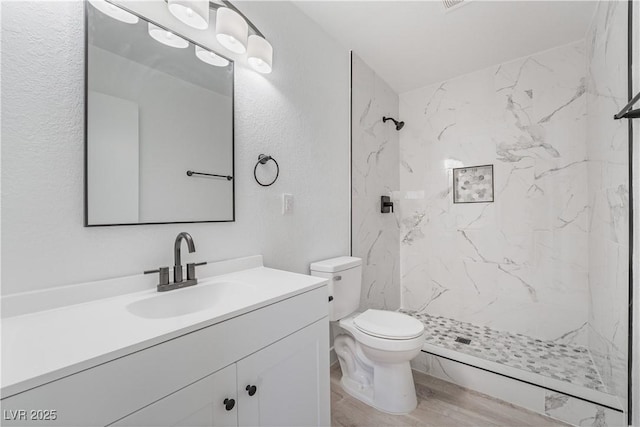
(380, 343)
(389, 325)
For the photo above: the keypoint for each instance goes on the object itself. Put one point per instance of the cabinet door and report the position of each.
(291, 380)
(197, 405)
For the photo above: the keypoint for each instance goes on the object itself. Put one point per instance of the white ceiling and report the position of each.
(411, 44)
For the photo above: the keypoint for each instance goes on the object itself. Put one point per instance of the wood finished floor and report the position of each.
(440, 404)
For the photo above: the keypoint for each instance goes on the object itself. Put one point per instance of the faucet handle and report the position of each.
(191, 269)
(164, 275)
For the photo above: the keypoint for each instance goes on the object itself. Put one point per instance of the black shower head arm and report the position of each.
(398, 124)
(384, 120)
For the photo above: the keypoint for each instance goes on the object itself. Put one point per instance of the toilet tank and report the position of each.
(345, 280)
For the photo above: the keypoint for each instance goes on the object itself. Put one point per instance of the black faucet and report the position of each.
(178, 276)
(177, 265)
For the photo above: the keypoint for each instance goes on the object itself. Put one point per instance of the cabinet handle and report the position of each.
(251, 389)
(229, 404)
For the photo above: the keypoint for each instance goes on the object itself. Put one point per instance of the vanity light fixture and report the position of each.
(231, 30)
(194, 13)
(211, 58)
(260, 54)
(167, 37)
(114, 11)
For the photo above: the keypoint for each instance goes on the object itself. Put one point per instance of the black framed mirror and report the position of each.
(159, 115)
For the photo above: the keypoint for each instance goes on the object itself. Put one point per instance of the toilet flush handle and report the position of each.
(337, 278)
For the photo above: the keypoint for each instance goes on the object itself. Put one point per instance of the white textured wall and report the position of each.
(375, 173)
(518, 264)
(299, 114)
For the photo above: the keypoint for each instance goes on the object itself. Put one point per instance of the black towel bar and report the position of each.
(227, 177)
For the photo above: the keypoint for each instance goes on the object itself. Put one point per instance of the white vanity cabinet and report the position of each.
(290, 379)
(281, 348)
(276, 386)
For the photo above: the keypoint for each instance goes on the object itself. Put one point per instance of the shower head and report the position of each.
(399, 125)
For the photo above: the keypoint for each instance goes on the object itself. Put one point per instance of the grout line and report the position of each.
(454, 328)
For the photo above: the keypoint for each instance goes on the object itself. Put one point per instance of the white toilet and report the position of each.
(374, 348)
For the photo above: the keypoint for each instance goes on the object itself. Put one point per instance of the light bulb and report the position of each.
(166, 37)
(211, 58)
(114, 12)
(231, 30)
(260, 54)
(194, 13)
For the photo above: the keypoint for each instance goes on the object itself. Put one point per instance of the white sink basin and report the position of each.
(189, 300)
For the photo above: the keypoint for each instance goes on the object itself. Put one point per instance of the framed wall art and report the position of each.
(473, 184)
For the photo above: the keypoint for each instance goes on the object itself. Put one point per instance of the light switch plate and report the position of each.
(287, 203)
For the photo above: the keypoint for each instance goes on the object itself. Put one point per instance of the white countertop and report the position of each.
(47, 345)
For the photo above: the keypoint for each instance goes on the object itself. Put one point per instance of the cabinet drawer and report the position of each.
(108, 392)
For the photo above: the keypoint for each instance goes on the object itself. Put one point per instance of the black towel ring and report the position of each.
(263, 159)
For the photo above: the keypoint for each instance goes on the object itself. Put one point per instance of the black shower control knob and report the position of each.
(229, 404)
(386, 205)
(251, 389)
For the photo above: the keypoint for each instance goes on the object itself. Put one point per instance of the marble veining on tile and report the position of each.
(375, 165)
(608, 178)
(519, 264)
(580, 413)
(565, 362)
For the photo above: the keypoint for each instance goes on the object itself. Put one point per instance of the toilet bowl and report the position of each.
(374, 347)
(387, 384)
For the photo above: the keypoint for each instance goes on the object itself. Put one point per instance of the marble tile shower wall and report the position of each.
(375, 236)
(607, 170)
(519, 264)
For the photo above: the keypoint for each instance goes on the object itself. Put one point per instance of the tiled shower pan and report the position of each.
(562, 368)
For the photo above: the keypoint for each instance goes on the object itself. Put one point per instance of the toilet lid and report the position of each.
(388, 324)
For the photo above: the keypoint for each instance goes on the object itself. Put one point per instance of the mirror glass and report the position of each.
(155, 112)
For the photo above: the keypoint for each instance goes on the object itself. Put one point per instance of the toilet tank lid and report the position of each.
(336, 264)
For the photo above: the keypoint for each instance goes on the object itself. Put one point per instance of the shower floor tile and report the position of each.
(564, 362)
